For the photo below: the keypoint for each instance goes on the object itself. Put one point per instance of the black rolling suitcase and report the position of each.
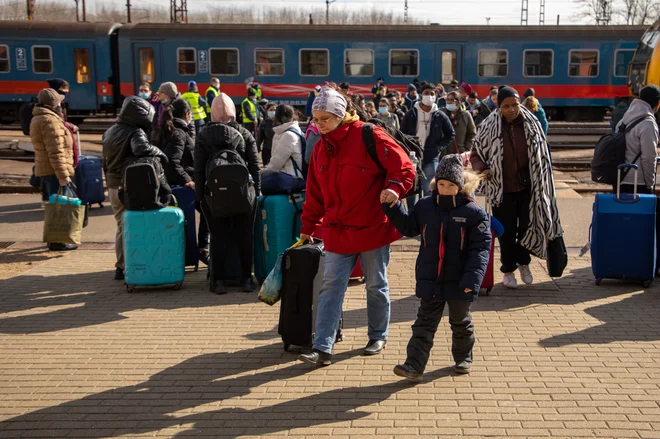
(302, 277)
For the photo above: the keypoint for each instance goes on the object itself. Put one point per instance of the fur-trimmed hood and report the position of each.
(472, 181)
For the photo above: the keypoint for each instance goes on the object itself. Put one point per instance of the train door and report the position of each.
(146, 58)
(448, 63)
(83, 94)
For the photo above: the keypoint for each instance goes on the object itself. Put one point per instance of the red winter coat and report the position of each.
(344, 186)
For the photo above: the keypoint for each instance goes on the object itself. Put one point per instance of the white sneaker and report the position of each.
(526, 274)
(510, 281)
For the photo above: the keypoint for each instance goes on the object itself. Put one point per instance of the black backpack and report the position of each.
(141, 184)
(405, 141)
(610, 152)
(25, 115)
(229, 186)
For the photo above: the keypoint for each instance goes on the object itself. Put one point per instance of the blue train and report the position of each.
(576, 70)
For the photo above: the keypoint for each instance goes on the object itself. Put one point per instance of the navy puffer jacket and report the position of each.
(464, 244)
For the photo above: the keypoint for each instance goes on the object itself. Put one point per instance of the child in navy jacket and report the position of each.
(452, 261)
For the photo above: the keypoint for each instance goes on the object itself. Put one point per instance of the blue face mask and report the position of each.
(165, 101)
(145, 96)
(382, 110)
(452, 107)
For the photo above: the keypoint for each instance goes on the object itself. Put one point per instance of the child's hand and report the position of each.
(467, 291)
(389, 196)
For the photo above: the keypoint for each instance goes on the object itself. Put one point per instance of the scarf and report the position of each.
(544, 222)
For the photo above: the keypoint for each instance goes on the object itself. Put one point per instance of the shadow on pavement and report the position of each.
(33, 212)
(170, 398)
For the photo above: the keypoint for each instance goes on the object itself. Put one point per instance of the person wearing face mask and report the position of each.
(250, 113)
(63, 88)
(510, 144)
(452, 261)
(411, 97)
(463, 125)
(53, 150)
(344, 189)
(144, 91)
(167, 93)
(197, 104)
(384, 114)
(265, 134)
(434, 131)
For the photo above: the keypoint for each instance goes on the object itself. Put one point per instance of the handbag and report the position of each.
(281, 183)
(557, 257)
(63, 222)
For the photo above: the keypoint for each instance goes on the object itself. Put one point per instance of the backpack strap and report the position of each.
(369, 141)
(627, 128)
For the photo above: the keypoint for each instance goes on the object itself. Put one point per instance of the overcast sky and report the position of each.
(443, 12)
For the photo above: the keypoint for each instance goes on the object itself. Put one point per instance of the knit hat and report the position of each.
(651, 95)
(223, 109)
(49, 97)
(411, 87)
(529, 92)
(331, 101)
(467, 88)
(169, 88)
(450, 168)
(56, 83)
(506, 92)
(192, 86)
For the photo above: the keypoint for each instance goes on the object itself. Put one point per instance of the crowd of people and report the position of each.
(363, 203)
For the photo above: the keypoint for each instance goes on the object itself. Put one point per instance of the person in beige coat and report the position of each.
(53, 149)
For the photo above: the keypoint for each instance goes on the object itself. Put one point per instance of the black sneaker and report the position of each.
(248, 286)
(407, 371)
(218, 287)
(463, 367)
(316, 357)
(119, 274)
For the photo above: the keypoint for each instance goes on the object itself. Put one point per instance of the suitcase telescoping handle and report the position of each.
(618, 180)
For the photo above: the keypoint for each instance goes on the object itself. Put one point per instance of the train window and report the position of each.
(622, 59)
(146, 57)
(4, 59)
(187, 59)
(448, 66)
(538, 63)
(224, 62)
(359, 62)
(314, 62)
(269, 62)
(493, 63)
(42, 59)
(404, 62)
(81, 65)
(583, 63)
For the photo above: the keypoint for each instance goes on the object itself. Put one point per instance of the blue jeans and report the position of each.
(429, 173)
(338, 268)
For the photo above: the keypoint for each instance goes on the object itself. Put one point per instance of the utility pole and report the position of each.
(31, 10)
(327, 10)
(77, 11)
(128, 11)
(542, 13)
(557, 19)
(84, 2)
(487, 21)
(179, 12)
(604, 14)
(405, 13)
(524, 13)
(311, 19)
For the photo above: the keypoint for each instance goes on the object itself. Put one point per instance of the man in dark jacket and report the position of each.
(434, 130)
(127, 138)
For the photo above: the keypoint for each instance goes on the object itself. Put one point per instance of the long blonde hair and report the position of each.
(532, 104)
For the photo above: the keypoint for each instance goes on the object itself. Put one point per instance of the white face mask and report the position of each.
(428, 100)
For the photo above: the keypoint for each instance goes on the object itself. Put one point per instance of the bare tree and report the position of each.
(637, 12)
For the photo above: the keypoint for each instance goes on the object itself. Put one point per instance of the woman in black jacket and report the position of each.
(178, 137)
(224, 134)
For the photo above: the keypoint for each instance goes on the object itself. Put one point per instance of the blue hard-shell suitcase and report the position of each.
(620, 222)
(185, 198)
(154, 247)
(276, 229)
(89, 180)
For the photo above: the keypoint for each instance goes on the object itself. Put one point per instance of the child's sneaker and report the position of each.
(526, 274)
(510, 281)
(463, 367)
(407, 371)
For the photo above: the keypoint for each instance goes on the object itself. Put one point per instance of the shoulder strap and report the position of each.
(370, 143)
(628, 128)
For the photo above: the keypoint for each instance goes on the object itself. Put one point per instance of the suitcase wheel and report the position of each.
(177, 286)
(646, 283)
(130, 288)
(340, 336)
(598, 280)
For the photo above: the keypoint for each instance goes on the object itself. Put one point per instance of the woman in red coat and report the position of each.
(345, 188)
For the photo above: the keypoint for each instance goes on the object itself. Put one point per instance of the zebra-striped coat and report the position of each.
(543, 213)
